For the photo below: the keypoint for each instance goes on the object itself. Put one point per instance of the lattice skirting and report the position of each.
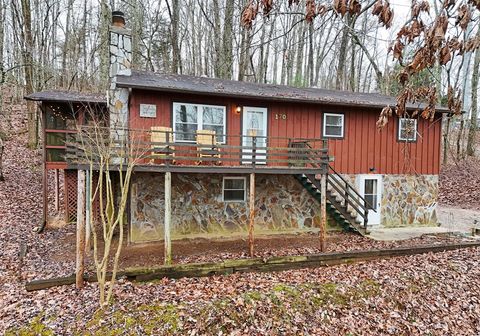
(70, 195)
(70, 198)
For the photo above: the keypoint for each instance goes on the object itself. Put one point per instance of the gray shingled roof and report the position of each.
(67, 96)
(220, 87)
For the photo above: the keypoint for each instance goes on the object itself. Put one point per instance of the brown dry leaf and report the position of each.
(416, 29)
(464, 17)
(378, 7)
(455, 45)
(355, 7)
(310, 10)
(267, 7)
(398, 51)
(419, 61)
(381, 122)
(249, 14)
(387, 15)
(472, 44)
(419, 7)
(454, 103)
(445, 55)
(404, 76)
(341, 7)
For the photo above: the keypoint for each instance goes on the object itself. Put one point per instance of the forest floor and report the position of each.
(433, 294)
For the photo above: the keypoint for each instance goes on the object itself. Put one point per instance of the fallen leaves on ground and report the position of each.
(460, 184)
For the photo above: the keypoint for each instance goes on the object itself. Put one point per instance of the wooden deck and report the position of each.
(168, 151)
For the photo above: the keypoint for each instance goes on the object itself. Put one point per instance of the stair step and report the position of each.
(343, 214)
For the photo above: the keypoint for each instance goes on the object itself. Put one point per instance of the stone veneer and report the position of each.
(120, 64)
(409, 200)
(281, 205)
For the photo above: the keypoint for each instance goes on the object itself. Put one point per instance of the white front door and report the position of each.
(254, 126)
(370, 187)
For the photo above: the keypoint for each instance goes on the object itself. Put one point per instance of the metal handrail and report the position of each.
(356, 193)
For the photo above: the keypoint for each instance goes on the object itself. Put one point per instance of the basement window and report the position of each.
(333, 125)
(234, 189)
(407, 129)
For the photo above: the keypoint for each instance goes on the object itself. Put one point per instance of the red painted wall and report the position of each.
(362, 148)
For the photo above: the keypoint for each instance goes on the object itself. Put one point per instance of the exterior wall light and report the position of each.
(238, 109)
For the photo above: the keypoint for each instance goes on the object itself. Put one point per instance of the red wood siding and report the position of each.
(362, 148)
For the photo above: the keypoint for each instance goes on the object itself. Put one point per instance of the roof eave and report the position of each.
(269, 98)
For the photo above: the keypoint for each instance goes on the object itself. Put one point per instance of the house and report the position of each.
(219, 139)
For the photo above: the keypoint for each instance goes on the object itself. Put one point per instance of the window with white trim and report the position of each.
(333, 125)
(234, 189)
(188, 118)
(407, 129)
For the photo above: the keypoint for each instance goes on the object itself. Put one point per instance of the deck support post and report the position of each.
(251, 207)
(80, 248)
(88, 209)
(57, 198)
(168, 217)
(323, 210)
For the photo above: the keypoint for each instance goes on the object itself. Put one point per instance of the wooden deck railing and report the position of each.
(154, 147)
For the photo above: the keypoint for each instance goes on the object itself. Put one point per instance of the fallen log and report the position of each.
(254, 265)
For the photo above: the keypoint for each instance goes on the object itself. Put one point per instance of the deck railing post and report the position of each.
(167, 138)
(254, 149)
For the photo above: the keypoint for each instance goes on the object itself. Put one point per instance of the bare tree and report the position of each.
(474, 104)
(113, 160)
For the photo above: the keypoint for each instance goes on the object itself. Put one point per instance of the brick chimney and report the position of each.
(120, 64)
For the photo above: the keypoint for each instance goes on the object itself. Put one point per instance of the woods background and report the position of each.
(63, 44)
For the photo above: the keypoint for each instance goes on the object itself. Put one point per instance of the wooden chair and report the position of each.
(207, 146)
(160, 149)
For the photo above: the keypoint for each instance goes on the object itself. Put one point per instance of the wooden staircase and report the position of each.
(344, 204)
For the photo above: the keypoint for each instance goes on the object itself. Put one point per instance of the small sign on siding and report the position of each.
(148, 110)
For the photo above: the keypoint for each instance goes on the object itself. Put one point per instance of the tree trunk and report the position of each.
(218, 55)
(66, 46)
(310, 55)
(28, 69)
(472, 131)
(459, 139)
(1, 158)
(300, 52)
(342, 58)
(176, 62)
(104, 44)
(446, 135)
(227, 40)
(244, 54)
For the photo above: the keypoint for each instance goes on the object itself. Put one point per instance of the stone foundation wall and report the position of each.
(281, 205)
(409, 200)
